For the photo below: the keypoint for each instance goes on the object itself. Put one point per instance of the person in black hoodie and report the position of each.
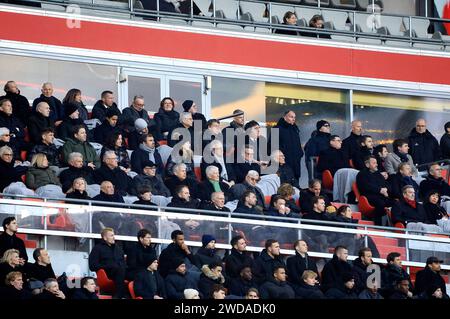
(333, 158)
(423, 146)
(132, 113)
(13, 124)
(350, 144)
(107, 255)
(108, 127)
(267, 261)
(110, 171)
(87, 290)
(102, 106)
(148, 283)
(20, 104)
(392, 274)
(211, 275)
(365, 149)
(240, 286)
(300, 262)
(372, 184)
(166, 118)
(9, 240)
(445, 142)
(407, 209)
(176, 250)
(140, 253)
(238, 257)
(56, 108)
(399, 180)
(345, 290)
(436, 214)
(319, 141)
(308, 287)
(359, 269)
(47, 147)
(178, 279)
(76, 169)
(148, 178)
(276, 287)
(333, 272)
(430, 276)
(8, 172)
(289, 142)
(71, 120)
(42, 268)
(318, 240)
(38, 121)
(306, 195)
(207, 254)
(434, 181)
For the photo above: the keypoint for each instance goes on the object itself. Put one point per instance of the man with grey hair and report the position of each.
(184, 130)
(132, 113)
(283, 170)
(180, 178)
(76, 169)
(110, 171)
(56, 109)
(249, 184)
(423, 146)
(217, 203)
(51, 291)
(212, 184)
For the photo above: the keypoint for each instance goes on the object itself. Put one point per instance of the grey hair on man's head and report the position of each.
(210, 169)
(253, 173)
(178, 167)
(184, 115)
(74, 155)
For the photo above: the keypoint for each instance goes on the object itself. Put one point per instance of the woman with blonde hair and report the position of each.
(39, 174)
(10, 262)
(78, 189)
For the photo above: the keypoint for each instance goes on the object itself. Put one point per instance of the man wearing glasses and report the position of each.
(423, 146)
(434, 182)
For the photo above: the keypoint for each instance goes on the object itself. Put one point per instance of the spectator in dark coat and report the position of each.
(370, 293)
(332, 158)
(309, 287)
(238, 257)
(364, 150)
(240, 286)
(306, 196)
(178, 280)
(226, 170)
(211, 275)
(372, 184)
(87, 290)
(78, 190)
(248, 205)
(249, 184)
(10, 262)
(407, 209)
(434, 181)
(180, 178)
(350, 144)
(5, 140)
(76, 169)
(445, 142)
(102, 106)
(433, 209)
(20, 104)
(285, 172)
(399, 180)
(47, 147)
(191, 107)
(110, 171)
(267, 261)
(246, 163)
(105, 218)
(166, 118)
(148, 283)
(211, 133)
(401, 290)
(39, 121)
(255, 139)
(213, 184)
(107, 255)
(115, 143)
(182, 131)
(232, 133)
(207, 254)
(430, 276)
(147, 152)
(140, 254)
(381, 152)
(333, 272)
(71, 120)
(278, 208)
(176, 250)
(132, 113)
(108, 127)
(14, 288)
(8, 172)
(289, 19)
(359, 270)
(346, 290)
(9, 240)
(277, 287)
(56, 113)
(217, 203)
(300, 262)
(149, 178)
(290, 143)
(423, 146)
(42, 268)
(391, 274)
(13, 124)
(319, 141)
(135, 137)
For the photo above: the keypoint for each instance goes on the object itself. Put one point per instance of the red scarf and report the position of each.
(411, 203)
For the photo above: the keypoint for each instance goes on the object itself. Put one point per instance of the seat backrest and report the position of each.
(257, 10)
(280, 10)
(229, 8)
(393, 24)
(420, 26)
(131, 289)
(204, 6)
(339, 18)
(306, 13)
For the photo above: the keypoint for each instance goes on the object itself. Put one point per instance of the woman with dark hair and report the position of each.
(74, 96)
(71, 120)
(436, 214)
(115, 143)
(445, 142)
(166, 119)
(289, 19)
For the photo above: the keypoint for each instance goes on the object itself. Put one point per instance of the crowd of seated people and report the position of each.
(180, 272)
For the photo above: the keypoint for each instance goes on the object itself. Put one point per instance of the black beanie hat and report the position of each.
(187, 105)
(321, 123)
(70, 108)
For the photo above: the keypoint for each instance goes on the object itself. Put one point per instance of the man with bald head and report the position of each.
(56, 109)
(350, 144)
(423, 146)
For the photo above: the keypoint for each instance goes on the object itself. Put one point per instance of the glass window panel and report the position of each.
(149, 88)
(186, 90)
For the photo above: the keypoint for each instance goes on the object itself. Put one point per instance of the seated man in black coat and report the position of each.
(285, 172)
(217, 203)
(399, 180)
(240, 286)
(430, 276)
(87, 290)
(297, 264)
(333, 272)
(110, 171)
(333, 158)
(148, 283)
(364, 150)
(20, 105)
(309, 287)
(108, 126)
(267, 261)
(176, 250)
(407, 209)
(434, 181)
(76, 169)
(180, 178)
(359, 270)
(107, 219)
(211, 276)
(136, 256)
(249, 184)
(277, 287)
(14, 125)
(9, 240)
(102, 106)
(178, 280)
(372, 184)
(47, 147)
(42, 269)
(183, 130)
(51, 291)
(392, 273)
(107, 255)
(238, 257)
(149, 178)
(245, 163)
(306, 195)
(213, 184)
(345, 290)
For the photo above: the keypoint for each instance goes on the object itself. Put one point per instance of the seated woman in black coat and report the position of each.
(166, 118)
(87, 290)
(289, 19)
(309, 288)
(8, 173)
(436, 214)
(9, 262)
(115, 143)
(70, 121)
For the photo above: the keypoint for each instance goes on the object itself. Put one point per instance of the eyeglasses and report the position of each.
(8, 135)
(7, 154)
(326, 125)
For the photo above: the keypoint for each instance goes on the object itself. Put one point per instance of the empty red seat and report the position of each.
(105, 284)
(131, 290)
(327, 180)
